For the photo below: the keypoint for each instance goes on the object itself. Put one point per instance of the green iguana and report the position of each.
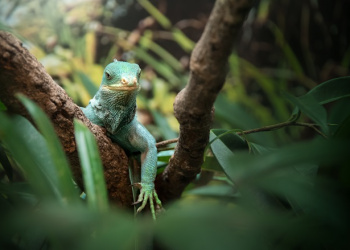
(114, 107)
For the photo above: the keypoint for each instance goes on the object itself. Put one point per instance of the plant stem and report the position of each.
(164, 143)
(256, 130)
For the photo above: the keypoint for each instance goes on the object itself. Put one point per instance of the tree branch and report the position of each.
(193, 105)
(166, 142)
(20, 72)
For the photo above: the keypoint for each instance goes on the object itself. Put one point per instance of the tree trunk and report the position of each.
(193, 106)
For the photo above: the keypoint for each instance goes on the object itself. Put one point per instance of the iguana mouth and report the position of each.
(121, 88)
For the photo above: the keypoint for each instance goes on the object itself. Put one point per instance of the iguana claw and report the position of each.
(148, 193)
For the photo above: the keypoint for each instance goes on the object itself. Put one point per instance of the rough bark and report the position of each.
(193, 105)
(20, 72)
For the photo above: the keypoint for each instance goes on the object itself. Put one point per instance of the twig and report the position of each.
(165, 149)
(310, 125)
(282, 125)
(257, 130)
(167, 142)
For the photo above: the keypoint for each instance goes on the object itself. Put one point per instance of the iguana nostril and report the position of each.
(135, 81)
(124, 81)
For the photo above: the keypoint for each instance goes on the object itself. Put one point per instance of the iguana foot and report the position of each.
(148, 192)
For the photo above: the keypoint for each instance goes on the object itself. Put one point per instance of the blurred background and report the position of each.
(284, 46)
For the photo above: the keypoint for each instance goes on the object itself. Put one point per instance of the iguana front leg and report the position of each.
(136, 138)
(148, 174)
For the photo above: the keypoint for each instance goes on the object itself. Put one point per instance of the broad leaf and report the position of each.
(207, 225)
(238, 117)
(224, 147)
(61, 166)
(213, 191)
(339, 112)
(258, 149)
(18, 194)
(31, 151)
(310, 107)
(331, 90)
(164, 156)
(212, 164)
(94, 183)
(233, 141)
(249, 168)
(64, 228)
(5, 163)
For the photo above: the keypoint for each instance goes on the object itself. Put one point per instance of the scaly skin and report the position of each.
(114, 107)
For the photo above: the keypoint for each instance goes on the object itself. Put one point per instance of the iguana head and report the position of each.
(121, 76)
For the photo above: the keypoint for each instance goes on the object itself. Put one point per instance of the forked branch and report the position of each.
(193, 105)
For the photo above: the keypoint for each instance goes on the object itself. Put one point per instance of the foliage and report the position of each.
(270, 198)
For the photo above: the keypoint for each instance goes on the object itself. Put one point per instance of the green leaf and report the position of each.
(168, 58)
(331, 90)
(289, 173)
(221, 150)
(155, 13)
(233, 141)
(64, 227)
(224, 110)
(258, 149)
(18, 193)
(310, 107)
(94, 183)
(214, 226)
(287, 50)
(248, 168)
(88, 84)
(339, 111)
(31, 151)
(162, 68)
(163, 125)
(6, 163)
(61, 166)
(241, 119)
(301, 193)
(343, 130)
(2, 106)
(164, 156)
(212, 164)
(213, 191)
(184, 42)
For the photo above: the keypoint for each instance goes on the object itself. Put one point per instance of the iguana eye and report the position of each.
(108, 76)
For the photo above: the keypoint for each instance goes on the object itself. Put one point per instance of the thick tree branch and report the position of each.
(193, 105)
(21, 72)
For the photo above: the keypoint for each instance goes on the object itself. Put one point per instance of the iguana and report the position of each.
(114, 107)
